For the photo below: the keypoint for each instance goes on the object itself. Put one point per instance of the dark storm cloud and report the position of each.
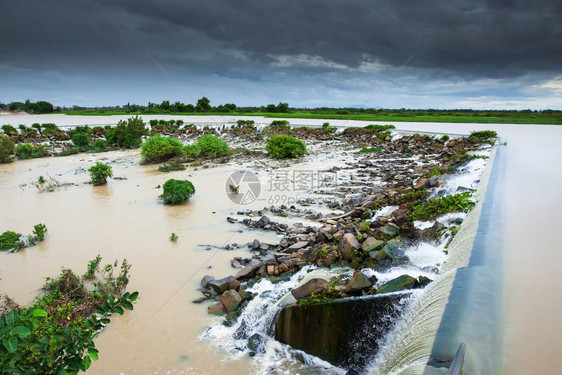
(323, 43)
(478, 37)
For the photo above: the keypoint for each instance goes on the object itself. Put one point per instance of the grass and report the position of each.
(369, 149)
(436, 207)
(483, 117)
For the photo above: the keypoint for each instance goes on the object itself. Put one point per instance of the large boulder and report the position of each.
(216, 309)
(358, 282)
(372, 244)
(205, 281)
(348, 244)
(297, 246)
(231, 300)
(221, 285)
(389, 230)
(400, 283)
(313, 286)
(422, 183)
(249, 271)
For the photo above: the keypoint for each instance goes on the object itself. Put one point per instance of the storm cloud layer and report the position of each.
(440, 54)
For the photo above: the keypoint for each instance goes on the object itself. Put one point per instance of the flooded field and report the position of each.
(126, 219)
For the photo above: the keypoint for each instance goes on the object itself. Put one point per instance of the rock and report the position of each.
(348, 244)
(297, 246)
(372, 244)
(389, 230)
(255, 245)
(221, 285)
(230, 300)
(357, 282)
(199, 300)
(423, 281)
(216, 309)
(313, 286)
(235, 263)
(255, 344)
(205, 281)
(249, 271)
(397, 284)
(400, 217)
(422, 183)
(435, 181)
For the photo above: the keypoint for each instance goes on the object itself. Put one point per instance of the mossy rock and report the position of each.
(400, 283)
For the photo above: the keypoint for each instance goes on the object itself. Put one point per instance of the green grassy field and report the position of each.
(552, 118)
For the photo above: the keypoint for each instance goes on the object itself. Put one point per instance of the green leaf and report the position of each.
(11, 317)
(118, 310)
(87, 361)
(39, 312)
(134, 296)
(126, 304)
(21, 331)
(11, 344)
(93, 353)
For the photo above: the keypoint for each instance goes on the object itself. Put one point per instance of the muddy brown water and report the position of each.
(126, 219)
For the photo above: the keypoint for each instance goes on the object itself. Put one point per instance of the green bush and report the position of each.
(10, 240)
(285, 146)
(6, 149)
(55, 334)
(9, 129)
(127, 134)
(158, 149)
(482, 136)
(379, 128)
(436, 207)
(81, 140)
(29, 151)
(40, 230)
(99, 145)
(212, 146)
(99, 173)
(177, 191)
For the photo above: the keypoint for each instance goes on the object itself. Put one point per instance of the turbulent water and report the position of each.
(126, 219)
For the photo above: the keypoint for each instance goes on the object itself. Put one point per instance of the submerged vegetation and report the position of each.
(434, 208)
(177, 191)
(55, 334)
(12, 241)
(99, 173)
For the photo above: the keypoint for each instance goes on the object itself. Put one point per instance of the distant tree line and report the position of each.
(30, 107)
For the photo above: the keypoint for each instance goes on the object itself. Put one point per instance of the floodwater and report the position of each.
(126, 219)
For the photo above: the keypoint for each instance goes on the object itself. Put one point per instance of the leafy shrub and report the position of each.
(158, 148)
(9, 129)
(10, 240)
(436, 207)
(212, 146)
(177, 191)
(55, 334)
(29, 151)
(68, 151)
(99, 173)
(40, 230)
(379, 128)
(191, 151)
(80, 140)
(174, 237)
(6, 149)
(445, 138)
(413, 196)
(370, 149)
(49, 126)
(482, 136)
(127, 134)
(285, 146)
(99, 145)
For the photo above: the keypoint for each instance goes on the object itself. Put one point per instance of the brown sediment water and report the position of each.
(126, 219)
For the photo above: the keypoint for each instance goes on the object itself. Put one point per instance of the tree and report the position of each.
(203, 105)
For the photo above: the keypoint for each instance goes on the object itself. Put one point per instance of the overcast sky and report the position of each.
(394, 53)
